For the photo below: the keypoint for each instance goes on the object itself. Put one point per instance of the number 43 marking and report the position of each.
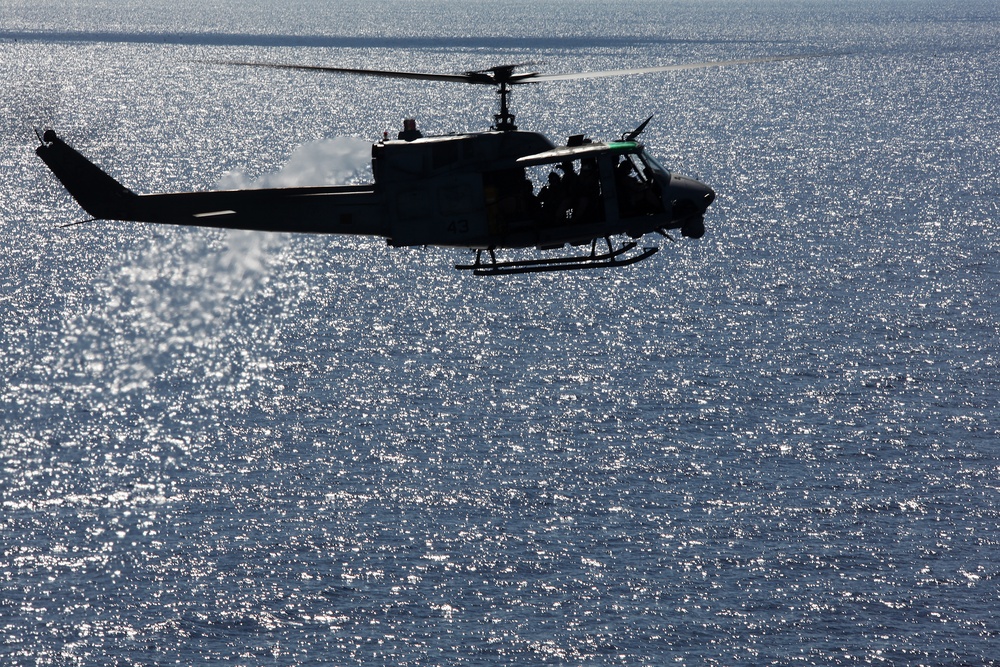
(458, 226)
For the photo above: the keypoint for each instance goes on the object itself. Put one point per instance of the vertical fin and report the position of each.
(100, 195)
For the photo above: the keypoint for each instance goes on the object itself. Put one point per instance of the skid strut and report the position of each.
(608, 259)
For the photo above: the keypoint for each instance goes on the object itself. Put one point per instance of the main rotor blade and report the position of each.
(464, 78)
(664, 68)
(504, 74)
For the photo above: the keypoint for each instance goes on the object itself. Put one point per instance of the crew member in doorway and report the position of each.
(410, 131)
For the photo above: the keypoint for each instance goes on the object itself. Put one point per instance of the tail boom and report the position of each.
(333, 209)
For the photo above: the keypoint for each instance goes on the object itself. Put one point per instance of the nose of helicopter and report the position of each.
(689, 199)
(689, 194)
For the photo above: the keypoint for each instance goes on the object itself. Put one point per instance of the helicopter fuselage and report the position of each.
(486, 190)
(480, 190)
(503, 188)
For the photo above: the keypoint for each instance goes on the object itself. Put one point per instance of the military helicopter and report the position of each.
(459, 190)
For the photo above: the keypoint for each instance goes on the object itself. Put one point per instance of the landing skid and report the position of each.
(574, 263)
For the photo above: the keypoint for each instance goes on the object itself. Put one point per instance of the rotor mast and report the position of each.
(504, 121)
(503, 77)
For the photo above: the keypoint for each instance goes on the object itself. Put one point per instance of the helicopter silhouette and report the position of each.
(468, 190)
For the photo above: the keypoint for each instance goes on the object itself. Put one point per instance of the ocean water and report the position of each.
(775, 445)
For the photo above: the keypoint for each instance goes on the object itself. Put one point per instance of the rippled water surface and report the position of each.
(773, 445)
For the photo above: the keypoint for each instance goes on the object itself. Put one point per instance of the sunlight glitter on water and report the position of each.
(771, 445)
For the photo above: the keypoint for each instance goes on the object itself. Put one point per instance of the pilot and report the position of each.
(566, 195)
(569, 178)
(550, 189)
(630, 190)
(635, 197)
(410, 131)
(588, 193)
(551, 198)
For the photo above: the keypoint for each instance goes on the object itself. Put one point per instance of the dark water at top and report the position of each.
(774, 445)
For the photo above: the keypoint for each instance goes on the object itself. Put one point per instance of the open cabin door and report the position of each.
(570, 195)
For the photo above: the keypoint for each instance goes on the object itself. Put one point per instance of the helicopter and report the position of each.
(470, 190)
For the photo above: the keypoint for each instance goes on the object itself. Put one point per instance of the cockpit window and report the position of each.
(638, 169)
(653, 165)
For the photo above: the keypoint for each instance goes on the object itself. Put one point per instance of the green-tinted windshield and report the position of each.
(653, 164)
